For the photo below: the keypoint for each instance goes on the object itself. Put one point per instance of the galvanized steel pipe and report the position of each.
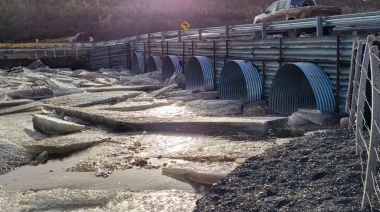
(138, 65)
(240, 80)
(170, 65)
(199, 74)
(154, 63)
(301, 85)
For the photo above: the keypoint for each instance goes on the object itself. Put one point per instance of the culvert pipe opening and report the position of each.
(138, 66)
(170, 65)
(154, 63)
(240, 80)
(301, 85)
(199, 74)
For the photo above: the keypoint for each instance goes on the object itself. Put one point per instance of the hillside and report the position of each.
(22, 20)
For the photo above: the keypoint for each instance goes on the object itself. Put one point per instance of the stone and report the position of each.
(65, 144)
(296, 120)
(12, 103)
(22, 108)
(344, 122)
(55, 126)
(34, 94)
(40, 159)
(36, 64)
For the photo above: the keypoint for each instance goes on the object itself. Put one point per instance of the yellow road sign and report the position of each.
(185, 25)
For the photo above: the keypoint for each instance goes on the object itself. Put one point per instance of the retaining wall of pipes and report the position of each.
(331, 54)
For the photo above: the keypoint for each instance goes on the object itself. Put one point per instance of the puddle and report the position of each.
(52, 175)
(40, 178)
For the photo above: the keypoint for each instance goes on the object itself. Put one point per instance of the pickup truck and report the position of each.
(285, 10)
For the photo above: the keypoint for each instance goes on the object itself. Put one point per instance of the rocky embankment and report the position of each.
(319, 172)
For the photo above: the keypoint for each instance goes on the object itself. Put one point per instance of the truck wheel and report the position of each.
(293, 33)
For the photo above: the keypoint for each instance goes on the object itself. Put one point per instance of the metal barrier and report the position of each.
(301, 85)
(363, 106)
(170, 65)
(240, 80)
(108, 57)
(154, 63)
(333, 54)
(138, 63)
(199, 74)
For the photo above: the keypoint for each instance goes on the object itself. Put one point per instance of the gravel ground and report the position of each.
(318, 172)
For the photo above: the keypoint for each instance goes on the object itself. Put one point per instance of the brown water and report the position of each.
(53, 175)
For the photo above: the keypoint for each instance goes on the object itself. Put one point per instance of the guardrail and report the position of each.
(347, 22)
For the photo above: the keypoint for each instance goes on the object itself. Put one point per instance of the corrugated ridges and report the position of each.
(170, 64)
(154, 63)
(301, 85)
(240, 80)
(138, 66)
(199, 74)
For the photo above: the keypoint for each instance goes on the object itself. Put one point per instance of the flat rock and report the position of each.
(147, 121)
(136, 106)
(34, 94)
(185, 95)
(36, 64)
(215, 107)
(88, 99)
(318, 117)
(22, 108)
(141, 79)
(68, 91)
(125, 88)
(64, 144)
(55, 126)
(11, 103)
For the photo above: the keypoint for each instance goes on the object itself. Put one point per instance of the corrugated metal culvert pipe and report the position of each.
(170, 64)
(301, 85)
(240, 80)
(199, 74)
(138, 65)
(154, 63)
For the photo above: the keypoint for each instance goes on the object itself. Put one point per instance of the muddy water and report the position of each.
(214, 154)
(53, 175)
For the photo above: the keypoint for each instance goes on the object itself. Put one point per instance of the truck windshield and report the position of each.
(301, 3)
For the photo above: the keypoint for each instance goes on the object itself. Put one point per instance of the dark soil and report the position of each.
(320, 172)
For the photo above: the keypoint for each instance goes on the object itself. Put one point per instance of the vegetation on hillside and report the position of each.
(26, 20)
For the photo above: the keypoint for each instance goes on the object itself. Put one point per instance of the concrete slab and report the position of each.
(55, 126)
(127, 121)
(135, 106)
(318, 117)
(125, 88)
(11, 103)
(87, 99)
(65, 144)
(22, 108)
